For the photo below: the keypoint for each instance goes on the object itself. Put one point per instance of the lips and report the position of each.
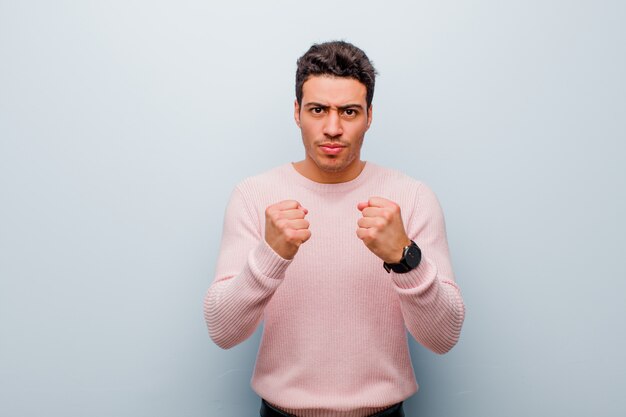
(331, 148)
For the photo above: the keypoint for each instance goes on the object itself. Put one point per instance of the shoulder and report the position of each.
(250, 194)
(262, 181)
(395, 178)
(404, 188)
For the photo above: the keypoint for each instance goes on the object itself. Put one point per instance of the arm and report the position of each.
(247, 274)
(430, 300)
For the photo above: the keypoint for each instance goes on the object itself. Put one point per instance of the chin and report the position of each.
(333, 166)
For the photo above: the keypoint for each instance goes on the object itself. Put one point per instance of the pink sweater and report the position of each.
(334, 337)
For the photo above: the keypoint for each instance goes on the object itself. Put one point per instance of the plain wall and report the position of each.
(124, 126)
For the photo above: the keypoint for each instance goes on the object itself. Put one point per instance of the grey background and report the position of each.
(124, 126)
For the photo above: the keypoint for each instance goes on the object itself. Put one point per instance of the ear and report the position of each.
(369, 116)
(296, 112)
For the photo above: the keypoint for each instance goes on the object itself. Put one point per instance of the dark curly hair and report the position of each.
(339, 59)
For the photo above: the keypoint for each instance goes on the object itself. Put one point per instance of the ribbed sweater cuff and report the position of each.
(423, 274)
(268, 263)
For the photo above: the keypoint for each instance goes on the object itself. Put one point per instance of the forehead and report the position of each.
(335, 91)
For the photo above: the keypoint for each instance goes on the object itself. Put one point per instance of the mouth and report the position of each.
(332, 148)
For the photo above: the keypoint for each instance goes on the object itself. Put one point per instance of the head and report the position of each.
(333, 108)
(336, 59)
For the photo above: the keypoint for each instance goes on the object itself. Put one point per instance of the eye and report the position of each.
(317, 110)
(350, 113)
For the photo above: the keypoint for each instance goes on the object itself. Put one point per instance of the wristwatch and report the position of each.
(411, 257)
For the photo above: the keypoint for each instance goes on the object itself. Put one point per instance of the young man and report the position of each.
(338, 257)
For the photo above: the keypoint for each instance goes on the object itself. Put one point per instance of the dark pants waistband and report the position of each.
(268, 411)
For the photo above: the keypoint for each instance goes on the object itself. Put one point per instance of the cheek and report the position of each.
(308, 131)
(307, 137)
(357, 132)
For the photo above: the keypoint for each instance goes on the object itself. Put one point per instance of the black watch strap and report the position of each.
(411, 257)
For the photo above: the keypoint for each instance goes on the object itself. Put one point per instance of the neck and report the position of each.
(310, 170)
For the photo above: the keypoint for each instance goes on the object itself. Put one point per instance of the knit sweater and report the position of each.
(335, 323)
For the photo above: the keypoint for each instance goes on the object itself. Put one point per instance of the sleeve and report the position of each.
(430, 300)
(248, 272)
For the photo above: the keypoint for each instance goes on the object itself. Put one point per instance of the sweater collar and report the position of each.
(340, 187)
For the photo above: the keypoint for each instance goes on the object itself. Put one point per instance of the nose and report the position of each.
(332, 126)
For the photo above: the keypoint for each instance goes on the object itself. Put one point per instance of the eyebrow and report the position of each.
(325, 106)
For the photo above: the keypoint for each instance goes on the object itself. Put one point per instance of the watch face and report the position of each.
(413, 256)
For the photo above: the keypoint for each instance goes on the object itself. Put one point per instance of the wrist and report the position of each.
(399, 253)
(411, 257)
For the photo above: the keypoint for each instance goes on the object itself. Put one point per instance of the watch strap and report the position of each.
(408, 262)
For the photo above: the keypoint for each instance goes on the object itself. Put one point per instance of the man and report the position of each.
(338, 257)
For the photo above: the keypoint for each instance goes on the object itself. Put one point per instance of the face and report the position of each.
(333, 119)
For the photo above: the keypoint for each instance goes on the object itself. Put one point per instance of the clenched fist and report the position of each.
(381, 229)
(285, 227)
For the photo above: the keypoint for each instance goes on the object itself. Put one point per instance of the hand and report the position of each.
(285, 227)
(381, 229)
